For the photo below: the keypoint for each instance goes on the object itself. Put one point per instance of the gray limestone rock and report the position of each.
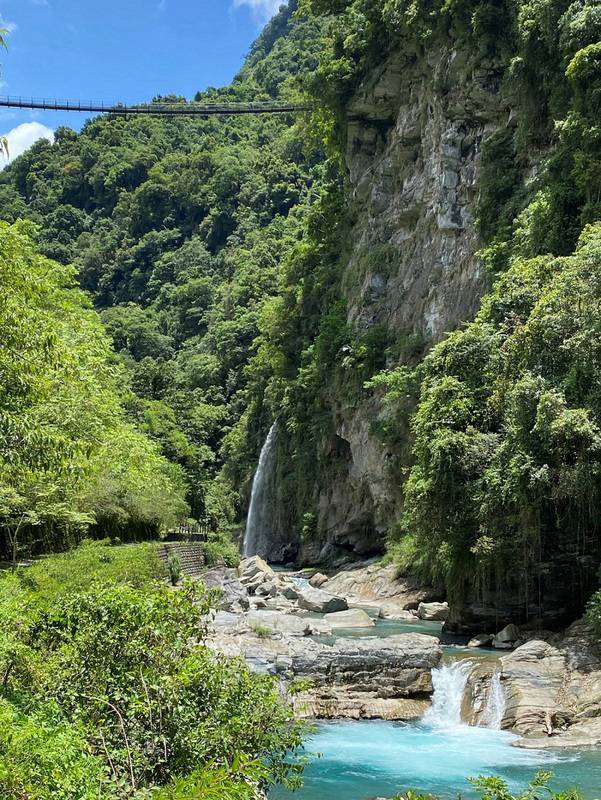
(433, 611)
(320, 602)
(234, 596)
(353, 618)
(318, 580)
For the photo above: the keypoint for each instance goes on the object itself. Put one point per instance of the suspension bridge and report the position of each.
(164, 109)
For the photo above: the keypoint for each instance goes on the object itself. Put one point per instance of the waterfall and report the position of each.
(492, 716)
(449, 681)
(259, 509)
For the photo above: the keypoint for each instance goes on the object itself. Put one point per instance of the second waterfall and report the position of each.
(260, 511)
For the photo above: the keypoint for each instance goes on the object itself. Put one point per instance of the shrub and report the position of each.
(120, 673)
(221, 551)
(174, 566)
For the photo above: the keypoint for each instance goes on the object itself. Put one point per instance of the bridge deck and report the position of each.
(160, 109)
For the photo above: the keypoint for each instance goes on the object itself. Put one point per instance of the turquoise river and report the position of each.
(365, 760)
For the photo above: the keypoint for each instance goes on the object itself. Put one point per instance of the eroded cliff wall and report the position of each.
(413, 153)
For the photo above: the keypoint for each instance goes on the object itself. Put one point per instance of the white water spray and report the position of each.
(492, 717)
(259, 498)
(449, 681)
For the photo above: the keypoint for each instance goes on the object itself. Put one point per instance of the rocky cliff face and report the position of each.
(414, 137)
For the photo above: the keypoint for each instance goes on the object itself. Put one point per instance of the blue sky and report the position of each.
(118, 51)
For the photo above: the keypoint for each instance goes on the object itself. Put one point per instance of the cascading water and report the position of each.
(449, 681)
(259, 509)
(492, 717)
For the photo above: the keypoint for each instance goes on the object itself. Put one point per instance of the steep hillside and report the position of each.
(177, 227)
(470, 140)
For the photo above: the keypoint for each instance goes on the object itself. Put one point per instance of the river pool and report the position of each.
(374, 759)
(365, 760)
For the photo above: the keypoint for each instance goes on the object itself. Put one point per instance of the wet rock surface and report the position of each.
(379, 586)
(551, 687)
(356, 678)
(551, 683)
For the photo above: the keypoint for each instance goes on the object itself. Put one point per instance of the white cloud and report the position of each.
(23, 136)
(262, 8)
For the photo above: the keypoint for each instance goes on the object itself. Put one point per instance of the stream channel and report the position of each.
(376, 759)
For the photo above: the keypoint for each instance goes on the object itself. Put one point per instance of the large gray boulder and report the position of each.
(318, 580)
(436, 612)
(289, 590)
(253, 572)
(534, 682)
(267, 589)
(507, 636)
(250, 567)
(320, 602)
(234, 596)
(552, 687)
(353, 618)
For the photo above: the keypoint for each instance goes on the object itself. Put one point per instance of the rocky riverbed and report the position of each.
(271, 620)
(309, 633)
(551, 688)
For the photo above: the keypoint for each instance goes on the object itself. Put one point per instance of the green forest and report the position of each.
(171, 286)
(176, 228)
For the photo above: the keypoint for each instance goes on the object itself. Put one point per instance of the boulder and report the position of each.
(320, 602)
(481, 640)
(433, 611)
(318, 580)
(510, 633)
(552, 689)
(251, 568)
(353, 618)
(396, 614)
(254, 572)
(377, 584)
(289, 591)
(267, 589)
(234, 596)
(534, 683)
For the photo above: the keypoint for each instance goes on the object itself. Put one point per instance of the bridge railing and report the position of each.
(189, 533)
(164, 109)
